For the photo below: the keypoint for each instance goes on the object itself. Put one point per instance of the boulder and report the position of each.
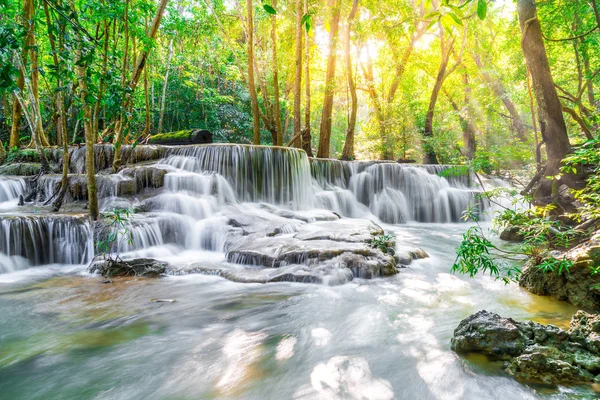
(533, 352)
(511, 235)
(489, 334)
(147, 267)
(578, 286)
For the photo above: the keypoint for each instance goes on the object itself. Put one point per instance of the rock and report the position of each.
(189, 136)
(489, 334)
(511, 235)
(274, 252)
(137, 267)
(534, 352)
(418, 254)
(20, 169)
(578, 286)
(539, 368)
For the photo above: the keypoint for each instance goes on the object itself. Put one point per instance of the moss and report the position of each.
(171, 136)
(23, 169)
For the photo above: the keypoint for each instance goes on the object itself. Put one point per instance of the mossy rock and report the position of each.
(22, 169)
(189, 136)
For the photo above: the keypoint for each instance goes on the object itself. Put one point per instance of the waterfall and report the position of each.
(207, 197)
(394, 193)
(11, 188)
(274, 175)
(52, 239)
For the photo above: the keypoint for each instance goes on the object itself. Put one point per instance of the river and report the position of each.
(64, 334)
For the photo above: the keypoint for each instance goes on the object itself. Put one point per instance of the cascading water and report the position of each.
(45, 239)
(395, 193)
(204, 197)
(238, 212)
(11, 189)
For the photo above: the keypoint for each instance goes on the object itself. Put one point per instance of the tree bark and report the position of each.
(15, 129)
(61, 126)
(164, 88)
(429, 156)
(135, 77)
(251, 83)
(552, 123)
(348, 152)
(277, 105)
(298, 77)
(325, 130)
(502, 94)
(306, 135)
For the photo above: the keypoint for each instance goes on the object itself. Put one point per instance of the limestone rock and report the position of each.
(489, 334)
(579, 286)
(147, 267)
(534, 352)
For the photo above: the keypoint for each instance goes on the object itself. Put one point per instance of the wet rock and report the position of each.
(274, 252)
(534, 352)
(147, 267)
(341, 230)
(511, 235)
(489, 334)
(578, 286)
(539, 368)
(20, 169)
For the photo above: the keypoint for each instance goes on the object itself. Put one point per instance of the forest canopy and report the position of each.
(441, 81)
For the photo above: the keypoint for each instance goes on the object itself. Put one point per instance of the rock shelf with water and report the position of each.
(269, 211)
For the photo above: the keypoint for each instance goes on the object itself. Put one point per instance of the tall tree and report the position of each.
(306, 135)
(297, 140)
(276, 100)
(251, 82)
(15, 130)
(552, 123)
(446, 47)
(496, 85)
(135, 77)
(163, 97)
(325, 130)
(348, 152)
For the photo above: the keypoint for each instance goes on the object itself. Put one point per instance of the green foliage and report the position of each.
(114, 233)
(482, 162)
(269, 9)
(586, 159)
(475, 254)
(386, 243)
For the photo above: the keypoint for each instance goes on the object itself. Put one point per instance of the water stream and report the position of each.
(65, 334)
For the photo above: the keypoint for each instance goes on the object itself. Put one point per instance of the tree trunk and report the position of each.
(92, 194)
(61, 126)
(96, 113)
(306, 135)
(135, 77)
(348, 152)
(298, 77)
(502, 94)
(251, 83)
(429, 156)
(277, 104)
(164, 88)
(325, 130)
(552, 123)
(15, 129)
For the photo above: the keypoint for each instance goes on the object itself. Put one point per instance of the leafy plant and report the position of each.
(114, 232)
(386, 243)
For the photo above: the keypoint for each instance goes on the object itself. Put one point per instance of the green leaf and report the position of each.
(269, 9)
(306, 21)
(481, 9)
(456, 19)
